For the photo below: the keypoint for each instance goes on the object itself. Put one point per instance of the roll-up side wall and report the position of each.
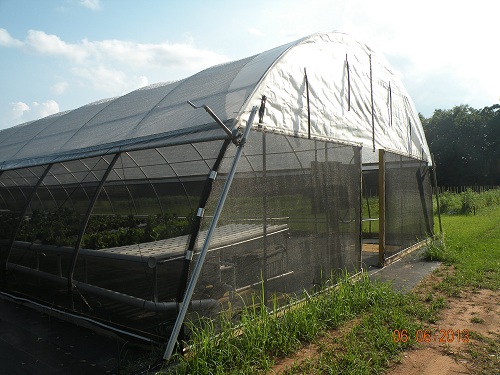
(134, 240)
(408, 203)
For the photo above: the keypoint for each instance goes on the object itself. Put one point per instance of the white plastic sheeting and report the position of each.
(343, 75)
(159, 115)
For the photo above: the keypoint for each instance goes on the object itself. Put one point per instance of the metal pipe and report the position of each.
(120, 297)
(74, 318)
(203, 252)
(215, 117)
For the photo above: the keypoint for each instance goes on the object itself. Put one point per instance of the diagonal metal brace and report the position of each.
(234, 135)
(203, 252)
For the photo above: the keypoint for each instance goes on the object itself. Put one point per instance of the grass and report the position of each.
(371, 311)
(268, 337)
(472, 245)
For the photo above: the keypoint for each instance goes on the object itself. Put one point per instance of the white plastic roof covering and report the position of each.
(159, 115)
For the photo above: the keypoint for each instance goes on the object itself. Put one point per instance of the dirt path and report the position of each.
(465, 339)
(477, 316)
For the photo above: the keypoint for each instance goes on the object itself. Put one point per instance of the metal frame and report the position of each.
(203, 252)
(197, 224)
(23, 212)
(86, 218)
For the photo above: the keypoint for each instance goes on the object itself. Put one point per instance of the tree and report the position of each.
(466, 144)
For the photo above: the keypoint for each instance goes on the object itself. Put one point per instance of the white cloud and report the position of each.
(91, 4)
(113, 67)
(46, 108)
(162, 54)
(7, 40)
(256, 32)
(17, 110)
(142, 81)
(21, 112)
(47, 44)
(101, 77)
(168, 55)
(109, 81)
(59, 88)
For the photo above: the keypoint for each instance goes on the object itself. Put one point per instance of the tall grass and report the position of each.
(260, 338)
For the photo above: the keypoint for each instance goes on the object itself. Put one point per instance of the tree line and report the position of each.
(466, 145)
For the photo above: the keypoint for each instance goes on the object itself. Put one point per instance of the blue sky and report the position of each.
(57, 55)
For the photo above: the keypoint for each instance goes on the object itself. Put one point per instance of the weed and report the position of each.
(477, 320)
(436, 250)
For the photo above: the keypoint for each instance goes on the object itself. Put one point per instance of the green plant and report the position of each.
(435, 250)
(468, 201)
(476, 320)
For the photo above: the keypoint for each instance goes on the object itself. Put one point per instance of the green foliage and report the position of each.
(61, 228)
(112, 231)
(8, 222)
(468, 201)
(466, 145)
(436, 250)
(58, 227)
(472, 245)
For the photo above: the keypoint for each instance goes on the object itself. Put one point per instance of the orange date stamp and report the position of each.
(427, 335)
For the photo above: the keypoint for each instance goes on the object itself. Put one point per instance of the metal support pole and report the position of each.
(203, 252)
(265, 274)
(357, 160)
(86, 220)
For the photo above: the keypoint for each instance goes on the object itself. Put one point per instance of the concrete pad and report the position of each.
(406, 272)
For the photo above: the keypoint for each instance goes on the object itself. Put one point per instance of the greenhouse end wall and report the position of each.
(301, 200)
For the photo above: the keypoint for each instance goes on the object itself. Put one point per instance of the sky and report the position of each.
(58, 55)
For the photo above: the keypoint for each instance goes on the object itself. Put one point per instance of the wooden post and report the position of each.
(381, 208)
(434, 171)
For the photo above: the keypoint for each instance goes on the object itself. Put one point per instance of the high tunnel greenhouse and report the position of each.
(254, 180)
